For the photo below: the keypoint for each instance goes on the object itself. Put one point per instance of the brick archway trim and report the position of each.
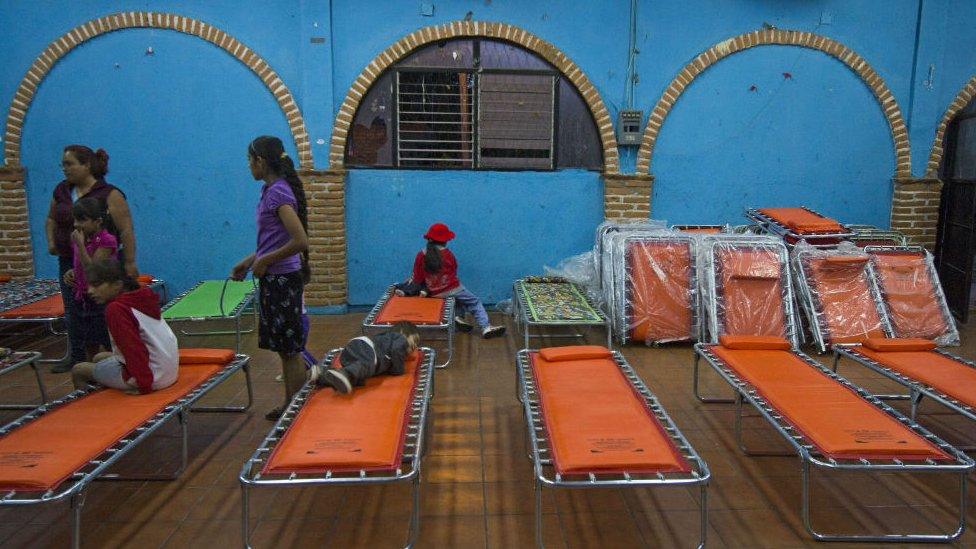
(147, 19)
(764, 37)
(455, 29)
(959, 103)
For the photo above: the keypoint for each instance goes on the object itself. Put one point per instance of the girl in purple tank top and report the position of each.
(280, 261)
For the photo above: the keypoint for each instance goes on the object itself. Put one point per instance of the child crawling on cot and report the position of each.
(144, 356)
(364, 357)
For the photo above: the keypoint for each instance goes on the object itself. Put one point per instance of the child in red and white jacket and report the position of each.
(435, 270)
(145, 356)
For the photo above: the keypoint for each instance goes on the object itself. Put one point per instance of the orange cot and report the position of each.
(794, 225)
(835, 289)
(374, 435)
(593, 423)
(430, 314)
(911, 294)
(829, 422)
(56, 451)
(661, 290)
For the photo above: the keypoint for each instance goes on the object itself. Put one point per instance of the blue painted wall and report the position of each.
(177, 122)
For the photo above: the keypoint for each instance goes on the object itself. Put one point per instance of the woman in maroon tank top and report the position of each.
(84, 176)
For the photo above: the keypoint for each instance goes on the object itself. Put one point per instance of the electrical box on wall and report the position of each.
(629, 127)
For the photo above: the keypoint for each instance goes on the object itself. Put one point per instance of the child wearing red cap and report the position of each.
(435, 268)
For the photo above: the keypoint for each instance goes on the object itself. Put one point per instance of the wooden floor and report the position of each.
(477, 483)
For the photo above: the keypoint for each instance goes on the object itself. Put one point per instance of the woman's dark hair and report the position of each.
(89, 208)
(272, 151)
(108, 270)
(432, 258)
(97, 161)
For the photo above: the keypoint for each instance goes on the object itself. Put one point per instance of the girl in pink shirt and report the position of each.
(90, 242)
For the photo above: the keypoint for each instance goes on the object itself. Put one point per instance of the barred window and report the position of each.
(473, 104)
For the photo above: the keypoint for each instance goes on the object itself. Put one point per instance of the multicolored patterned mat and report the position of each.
(555, 300)
(21, 292)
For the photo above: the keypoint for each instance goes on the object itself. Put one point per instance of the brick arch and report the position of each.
(765, 37)
(456, 29)
(959, 103)
(147, 19)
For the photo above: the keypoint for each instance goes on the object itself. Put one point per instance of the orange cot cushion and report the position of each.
(206, 356)
(909, 293)
(574, 352)
(42, 454)
(842, 295)
(888, 345)
(801, 220)
(361, 430)
(835, 419)
(758, 343)
(145, 278)
(51, 306)
(597, 423)
(419, 310)
(659, 282)
(933, 369)
(751, 291)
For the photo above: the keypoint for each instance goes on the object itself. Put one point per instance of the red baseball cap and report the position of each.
(439, 232)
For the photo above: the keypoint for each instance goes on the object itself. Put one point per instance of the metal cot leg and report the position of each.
(415, 512)
(698, 395)
(704, 515)
(538, 513)
(77, 503)
(245, 515)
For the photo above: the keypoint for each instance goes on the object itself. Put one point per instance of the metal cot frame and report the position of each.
(409, 469)
(21, 359)
(623, 290)
(773, 226)
(524, 322)
(235, 315)
(446, 324)
(810, 456)
(809, 301)
(74, 488)
(541, 456)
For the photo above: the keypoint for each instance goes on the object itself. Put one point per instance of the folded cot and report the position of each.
(911, 294)
(656, 288)
(214, 301)
(831, 424)
(55, 452)
(16, 360)
(701, 229)
(835, 290)
(374, 435)
(592, 423)
(800, 224)
(541, 301)
(428, 314)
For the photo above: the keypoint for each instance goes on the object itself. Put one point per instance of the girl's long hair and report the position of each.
(432, 257)
(272, 151)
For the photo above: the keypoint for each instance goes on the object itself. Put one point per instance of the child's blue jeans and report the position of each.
(466, 302)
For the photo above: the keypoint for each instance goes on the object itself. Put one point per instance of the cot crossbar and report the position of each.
(409, 469)
(825, 238)
(542, 456)
(446, 324)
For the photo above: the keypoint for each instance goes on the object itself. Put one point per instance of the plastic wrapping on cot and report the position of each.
(751, 292)
(659, 304)
(840, 293)
(912, 295)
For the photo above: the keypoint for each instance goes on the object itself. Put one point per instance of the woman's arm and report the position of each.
(49, 226)
(238, 271)
(118, 208)
(297, 243)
